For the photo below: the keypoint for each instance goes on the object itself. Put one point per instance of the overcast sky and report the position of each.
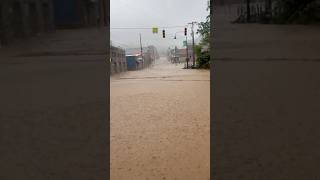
(154, 13)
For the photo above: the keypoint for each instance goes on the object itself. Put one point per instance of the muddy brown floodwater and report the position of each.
(160, 120)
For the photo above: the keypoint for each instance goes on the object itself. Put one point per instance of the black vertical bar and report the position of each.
(248, 11)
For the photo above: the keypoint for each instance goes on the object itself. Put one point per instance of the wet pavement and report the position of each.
(160, 123)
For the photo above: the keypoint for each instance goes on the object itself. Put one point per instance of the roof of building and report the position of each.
(133, 55)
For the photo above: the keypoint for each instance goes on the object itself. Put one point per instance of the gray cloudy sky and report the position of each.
(153, 13)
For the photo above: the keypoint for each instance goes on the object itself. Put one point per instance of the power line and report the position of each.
(164, 27)
(130, 28)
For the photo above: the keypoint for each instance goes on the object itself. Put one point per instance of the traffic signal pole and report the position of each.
(187, 51)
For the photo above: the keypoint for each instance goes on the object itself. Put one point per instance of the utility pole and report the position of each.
(187, 51)
(175, 55)
(153, 56)
(141, 51)
(193, 53)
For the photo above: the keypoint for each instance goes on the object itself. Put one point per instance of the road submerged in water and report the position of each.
(160, 123)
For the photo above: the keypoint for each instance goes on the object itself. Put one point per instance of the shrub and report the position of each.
(203, 60)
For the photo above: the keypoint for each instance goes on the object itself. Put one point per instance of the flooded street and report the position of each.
(160, 123)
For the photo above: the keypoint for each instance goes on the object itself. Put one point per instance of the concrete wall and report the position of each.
(20, 19)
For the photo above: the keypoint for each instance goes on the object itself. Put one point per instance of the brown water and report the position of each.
(160, 124)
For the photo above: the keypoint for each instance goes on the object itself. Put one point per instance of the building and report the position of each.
(134, 62)
(181, 53)
(150, 54)
(118, 61)
(20, 19)
(79, 13)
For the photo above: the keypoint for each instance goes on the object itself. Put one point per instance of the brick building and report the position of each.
(118, 61)
(181, 53)
(24, 18)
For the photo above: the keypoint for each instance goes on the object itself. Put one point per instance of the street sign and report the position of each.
(155, 30)
(184, 43)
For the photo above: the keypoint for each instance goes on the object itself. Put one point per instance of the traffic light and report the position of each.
(164, 34)
(155, 30)
(185, 31)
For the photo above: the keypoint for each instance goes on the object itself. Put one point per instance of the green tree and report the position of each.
(203, 58)
(204, 31)
(204, 28)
